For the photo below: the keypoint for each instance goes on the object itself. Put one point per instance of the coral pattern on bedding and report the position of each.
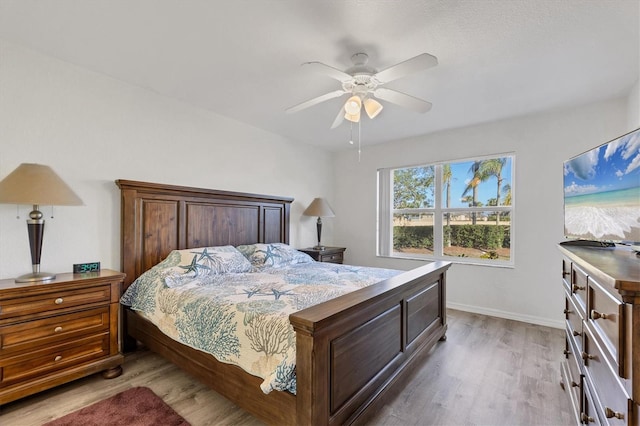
(243, 318)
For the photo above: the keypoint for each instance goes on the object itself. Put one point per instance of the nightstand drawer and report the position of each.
(53, 301)
(28, 335)
(332, 258)
(22, 367)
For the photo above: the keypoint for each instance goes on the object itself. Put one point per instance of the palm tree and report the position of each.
(493, 167)
(506, 190)
(446, 181)
(473, 186)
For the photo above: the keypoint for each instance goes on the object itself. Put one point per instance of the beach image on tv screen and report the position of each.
(602, 192)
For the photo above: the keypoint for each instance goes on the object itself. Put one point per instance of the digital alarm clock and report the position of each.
(82, 268)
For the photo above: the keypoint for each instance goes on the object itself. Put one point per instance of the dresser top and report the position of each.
(618, 267)
(62, 278)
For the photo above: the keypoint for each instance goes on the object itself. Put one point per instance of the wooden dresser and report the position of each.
(58, 331)
(601, 371)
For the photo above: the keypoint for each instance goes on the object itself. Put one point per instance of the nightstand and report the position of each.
(329, 254)
(57, 331)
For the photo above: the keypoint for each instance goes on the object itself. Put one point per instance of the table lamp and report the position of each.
(37, 185)
(319, 207)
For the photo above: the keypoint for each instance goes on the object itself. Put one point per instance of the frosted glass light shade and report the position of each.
(353, 105)
(354, 118)
(372, 107)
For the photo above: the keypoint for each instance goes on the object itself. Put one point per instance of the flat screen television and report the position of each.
(602, 193)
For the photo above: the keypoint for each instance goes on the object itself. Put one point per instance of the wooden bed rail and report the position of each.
(353, 348)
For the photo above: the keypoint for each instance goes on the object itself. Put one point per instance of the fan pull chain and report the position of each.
(359, 139)
(17, 211)
(351, 133)
(51, 212)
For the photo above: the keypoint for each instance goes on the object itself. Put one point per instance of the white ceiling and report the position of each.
(241, 58)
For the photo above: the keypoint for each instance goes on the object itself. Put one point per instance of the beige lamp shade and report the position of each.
(319, 207)
(36, 184)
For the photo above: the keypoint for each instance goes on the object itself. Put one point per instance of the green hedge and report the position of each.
(473, 236)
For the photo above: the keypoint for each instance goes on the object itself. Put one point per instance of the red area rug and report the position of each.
(137, 406)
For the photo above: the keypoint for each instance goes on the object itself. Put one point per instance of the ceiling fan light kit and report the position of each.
(363, 82)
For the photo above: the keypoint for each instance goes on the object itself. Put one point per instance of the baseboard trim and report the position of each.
(507, 315)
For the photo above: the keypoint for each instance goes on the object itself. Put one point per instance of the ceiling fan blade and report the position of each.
(314, 101)
(417, 63)
(402, 99)
(332, 72)
(339, 118)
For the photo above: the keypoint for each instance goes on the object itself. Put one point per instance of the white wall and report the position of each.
(92, 130)
(633, 107)
(531, 290)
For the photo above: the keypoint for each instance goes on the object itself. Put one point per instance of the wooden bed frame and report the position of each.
(350, 350)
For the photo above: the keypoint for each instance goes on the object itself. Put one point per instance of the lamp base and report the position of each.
(319, 248)
(35, 277)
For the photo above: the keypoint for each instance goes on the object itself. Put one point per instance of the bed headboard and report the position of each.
(158, 218)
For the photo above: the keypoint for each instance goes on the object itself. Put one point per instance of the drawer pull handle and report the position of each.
(576, 333)
(565, 273)
(576, 287)
(597, 315)
(574, 385)
(586, 418)
(58, 358)
(58, 329)
(609, 413)
(567, 352)
(587, 356)
(567, 311)
(58, 301)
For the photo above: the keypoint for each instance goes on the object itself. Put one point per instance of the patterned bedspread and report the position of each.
(242, 317)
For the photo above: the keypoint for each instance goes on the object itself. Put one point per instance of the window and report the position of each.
(460, 210)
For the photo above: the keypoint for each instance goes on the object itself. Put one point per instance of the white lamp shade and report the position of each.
(37, 185)
(320, 208)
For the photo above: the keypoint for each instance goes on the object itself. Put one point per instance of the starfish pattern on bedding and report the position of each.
(204, 254)
(194, 266)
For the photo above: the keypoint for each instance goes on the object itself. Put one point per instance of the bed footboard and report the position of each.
(352, 348)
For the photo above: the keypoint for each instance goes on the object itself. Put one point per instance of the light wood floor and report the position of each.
(489, 371)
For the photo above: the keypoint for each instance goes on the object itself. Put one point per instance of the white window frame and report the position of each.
(386, 212)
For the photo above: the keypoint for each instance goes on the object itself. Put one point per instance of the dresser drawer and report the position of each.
(606, 315)
(573, 322)
(55, 300)
(578, 289)
(611, 400)
(57, 357)
(588, 415)
(573, 381)
(28, 335)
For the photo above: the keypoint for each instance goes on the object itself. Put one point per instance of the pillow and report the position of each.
(203, 261)
(273, 255)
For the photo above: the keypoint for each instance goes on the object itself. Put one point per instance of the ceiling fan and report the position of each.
(364, 83)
